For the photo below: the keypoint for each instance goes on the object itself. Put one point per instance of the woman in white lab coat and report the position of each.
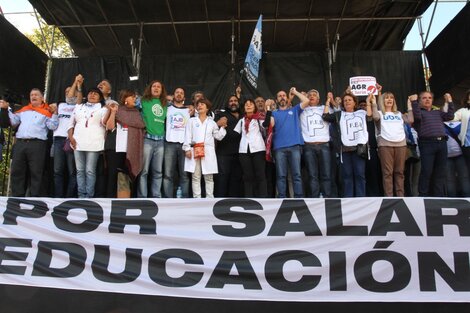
(199, 147)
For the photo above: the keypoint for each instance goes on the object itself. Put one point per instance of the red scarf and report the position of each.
(269, 143)
(247, 121)
(42, 109)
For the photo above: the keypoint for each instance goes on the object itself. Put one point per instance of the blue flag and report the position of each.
(253, 56)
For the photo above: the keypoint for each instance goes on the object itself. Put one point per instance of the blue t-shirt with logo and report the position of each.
(287, 132)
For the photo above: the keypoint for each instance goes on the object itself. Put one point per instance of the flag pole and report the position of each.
(242, 72)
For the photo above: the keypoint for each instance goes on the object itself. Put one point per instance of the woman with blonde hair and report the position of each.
(391, 140)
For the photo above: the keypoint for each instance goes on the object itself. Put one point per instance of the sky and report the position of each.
(445, 12)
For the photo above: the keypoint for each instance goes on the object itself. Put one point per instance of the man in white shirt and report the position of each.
(316, 151)
(64, 162)
(173, 162)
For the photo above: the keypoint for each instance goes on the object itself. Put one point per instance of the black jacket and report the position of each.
(231, 142)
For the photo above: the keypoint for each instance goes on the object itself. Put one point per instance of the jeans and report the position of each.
(153, 162)
(85, 162)
(353, 168)
(458, 181)
(288, 157)
(433, 176)
(466, 155)
(64, 170)
(318, 162)
(174, 161)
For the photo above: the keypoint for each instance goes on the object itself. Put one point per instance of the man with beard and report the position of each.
(176, 118)
(288, 141)
(228, 180)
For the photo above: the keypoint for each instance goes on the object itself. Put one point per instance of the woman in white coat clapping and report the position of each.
(199, 147)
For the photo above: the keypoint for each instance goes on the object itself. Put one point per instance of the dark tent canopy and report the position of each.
(186, 43)
(104, 27)
(22, 64)
(449, 56)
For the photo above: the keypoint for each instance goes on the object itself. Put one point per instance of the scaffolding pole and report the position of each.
(423, 53)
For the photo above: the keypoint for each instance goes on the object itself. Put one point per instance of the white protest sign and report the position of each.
(363, 85)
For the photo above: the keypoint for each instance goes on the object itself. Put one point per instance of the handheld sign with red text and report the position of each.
(363, 85)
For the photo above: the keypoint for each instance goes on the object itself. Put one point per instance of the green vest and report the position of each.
(154, 116)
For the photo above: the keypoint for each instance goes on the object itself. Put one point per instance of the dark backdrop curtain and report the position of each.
(449, 55)
(398, 71)
(22, 64)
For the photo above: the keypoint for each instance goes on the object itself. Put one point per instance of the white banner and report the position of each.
(364, 249)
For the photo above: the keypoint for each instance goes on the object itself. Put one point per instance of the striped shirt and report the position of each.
(429, 124)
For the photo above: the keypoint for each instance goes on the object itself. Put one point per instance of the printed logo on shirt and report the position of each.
(314, 122)
(177, 122)
(157, 110)
(65, 110)
(354, 126)
(392, 117)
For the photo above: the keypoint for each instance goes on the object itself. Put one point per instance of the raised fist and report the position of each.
(448, 98)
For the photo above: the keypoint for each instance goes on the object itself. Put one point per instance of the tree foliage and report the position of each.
(54, 39)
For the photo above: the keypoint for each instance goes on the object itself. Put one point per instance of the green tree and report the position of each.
(54, 39)
(5, 162)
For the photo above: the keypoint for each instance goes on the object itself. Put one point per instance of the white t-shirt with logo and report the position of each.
(176, 120)
(314, 128)
(353, 128)
(64, 112)
(391, 126)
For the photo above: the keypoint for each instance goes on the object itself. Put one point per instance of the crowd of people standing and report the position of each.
(294, 145)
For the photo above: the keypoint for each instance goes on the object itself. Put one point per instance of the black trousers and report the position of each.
(254, 174)
(28, 157)
(115, 163)
(227, 183)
